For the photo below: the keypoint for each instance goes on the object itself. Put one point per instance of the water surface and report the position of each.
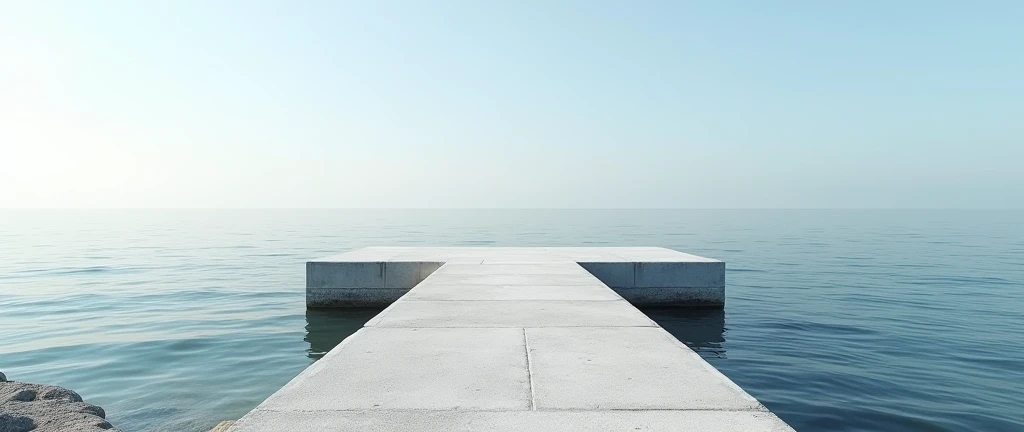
(836, 320)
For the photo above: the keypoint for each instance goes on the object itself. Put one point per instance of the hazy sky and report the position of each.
(719, 104)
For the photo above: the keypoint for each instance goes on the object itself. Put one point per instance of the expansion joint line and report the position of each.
(529, 370)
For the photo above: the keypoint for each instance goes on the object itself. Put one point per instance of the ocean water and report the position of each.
(836, 320)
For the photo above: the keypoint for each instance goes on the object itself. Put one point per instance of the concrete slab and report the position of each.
(356, 274)
(514, 421)
(512, 292)
(680, 274)
(519, 314)
(545, 269)
(406, 274)
(633, 368)
(397, 368)
(655, 254)
(618, 267)
(512, 339)
(613, 274)
(516, 279)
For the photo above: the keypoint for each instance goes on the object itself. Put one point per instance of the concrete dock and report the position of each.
(645, 276)
(512, 339)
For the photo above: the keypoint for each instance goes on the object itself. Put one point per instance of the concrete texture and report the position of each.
(345, 275)
(352, 297)
(638, 274)
(512, 292)
(679, 274)
(405, 275)
(574, 368)
(511, 421)
(514, 339)
(613, 274)
(415, 368)
(666, 296)
(516, 314)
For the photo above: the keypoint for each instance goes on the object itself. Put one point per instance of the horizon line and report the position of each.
(510, 208)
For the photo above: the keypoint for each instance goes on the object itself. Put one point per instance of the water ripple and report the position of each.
(836, 320)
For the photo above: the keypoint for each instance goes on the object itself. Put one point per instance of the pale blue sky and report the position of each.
(512, 104)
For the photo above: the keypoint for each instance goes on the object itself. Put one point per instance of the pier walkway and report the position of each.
(511, 339)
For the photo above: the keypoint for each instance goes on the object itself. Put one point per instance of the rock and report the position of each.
(3, 378)
(15, 423)
(46, 408)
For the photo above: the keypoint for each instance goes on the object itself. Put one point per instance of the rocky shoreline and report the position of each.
(28, 407)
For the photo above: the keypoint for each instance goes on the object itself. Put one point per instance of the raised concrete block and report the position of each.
(632, 368)
(352, 297)
(680, 274)
(656, 254)
(687, 280)
(354, 274)
(406, 274)
(613, 274)
(712, 297)
(414, 369)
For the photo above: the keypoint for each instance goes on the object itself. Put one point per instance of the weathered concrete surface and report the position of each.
(501, 347)
(644, 276)
(515, 314)
(44, 408)
(576, 368)
(410, 368)
(512, 421)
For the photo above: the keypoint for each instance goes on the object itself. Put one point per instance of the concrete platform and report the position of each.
(645, 276)
(528, 341)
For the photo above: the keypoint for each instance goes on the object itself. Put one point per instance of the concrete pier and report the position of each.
(512, 339)
(645, 276)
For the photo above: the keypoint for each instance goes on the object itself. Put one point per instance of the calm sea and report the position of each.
(836, 320)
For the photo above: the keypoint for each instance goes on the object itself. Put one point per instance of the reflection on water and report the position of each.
(703, 330)
(326, 328)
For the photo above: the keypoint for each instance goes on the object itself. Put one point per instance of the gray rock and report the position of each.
(15, 423)
(3, 378)
(46, 408)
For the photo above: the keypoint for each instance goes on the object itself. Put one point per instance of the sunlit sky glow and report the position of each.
(512, 104)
